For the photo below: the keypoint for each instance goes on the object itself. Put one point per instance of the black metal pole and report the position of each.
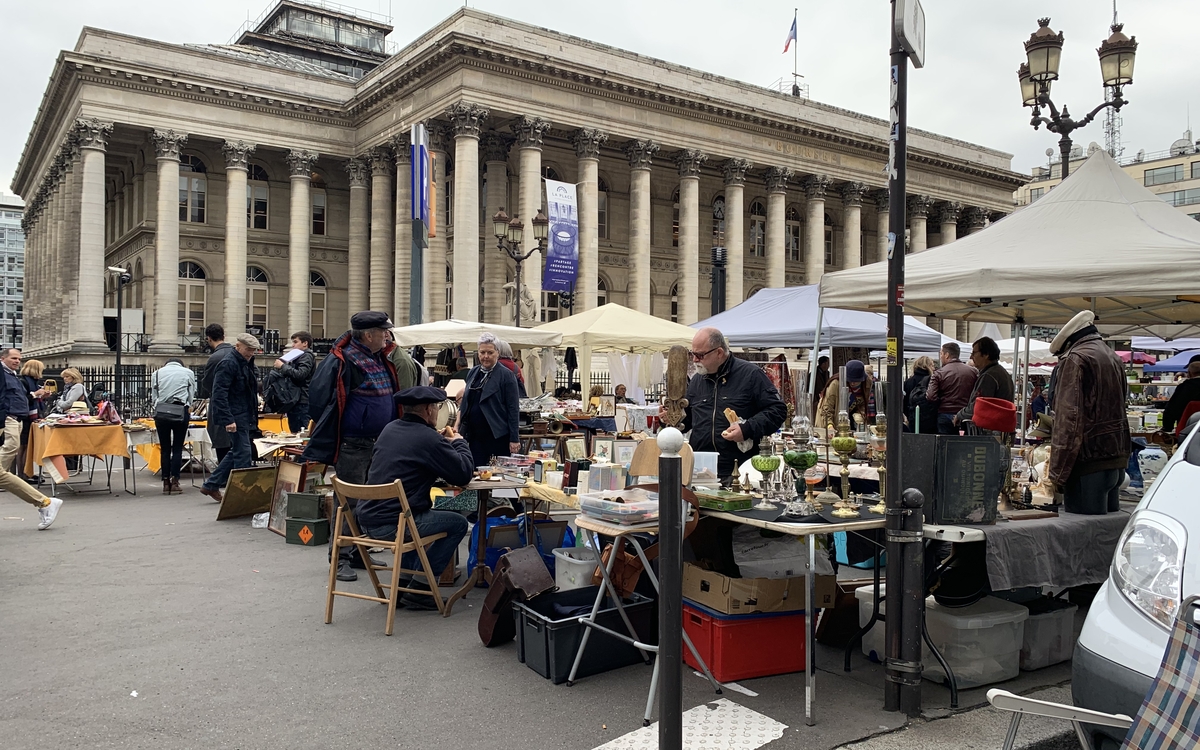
(1064, 149)
(670, 595)
(517, 306)
(902, 686)
(416, 280)
(718, 280)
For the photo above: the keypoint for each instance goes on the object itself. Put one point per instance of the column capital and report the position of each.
(380, 160)
(852, 193)
(949, 212)
(92, 133)
(401, 146)
(883, 199)
(301, 162)
(688, 161)
(466, 118)
(919, 206)
(168, 144)
(529, 131)
(735, 171)
(994, 216)
(641, 153)
(439, 135)
(70, 151)
(588, 142)
(237, 154)
(494, 146)
(359, 174)
(815, 187)
(776, 179)
(977, 218)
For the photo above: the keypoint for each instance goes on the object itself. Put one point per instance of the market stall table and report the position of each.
(481, 573)
(49, 444)
(146, 443)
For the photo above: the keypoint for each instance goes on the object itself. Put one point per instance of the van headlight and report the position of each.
(1148, 566)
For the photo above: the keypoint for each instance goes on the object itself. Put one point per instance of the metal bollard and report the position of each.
(670, 594)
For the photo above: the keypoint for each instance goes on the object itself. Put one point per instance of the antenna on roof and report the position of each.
(1112, 118)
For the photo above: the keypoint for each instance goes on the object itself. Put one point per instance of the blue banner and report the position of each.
(562, 253)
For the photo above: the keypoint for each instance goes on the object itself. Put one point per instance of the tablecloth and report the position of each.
(1061, 552)
(146, 444)
(48, 445)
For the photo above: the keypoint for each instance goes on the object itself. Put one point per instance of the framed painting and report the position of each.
(576, 449)
(608, 406)
(623, 451)
(602, 449)
(289, 478)
(250, 491)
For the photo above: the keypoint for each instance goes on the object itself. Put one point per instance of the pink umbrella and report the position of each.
(1139, 358)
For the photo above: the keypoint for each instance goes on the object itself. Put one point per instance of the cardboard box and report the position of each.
(739, 596)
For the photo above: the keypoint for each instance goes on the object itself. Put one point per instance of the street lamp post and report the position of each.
(509, 235)
(123, 278)
(1043, 52)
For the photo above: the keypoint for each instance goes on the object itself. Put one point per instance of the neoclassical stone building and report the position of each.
(267, 183)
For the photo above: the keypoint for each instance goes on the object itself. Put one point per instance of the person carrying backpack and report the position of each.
(298, 372)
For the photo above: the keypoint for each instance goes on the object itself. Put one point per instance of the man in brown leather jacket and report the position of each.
(950, 388)
(1090, 439)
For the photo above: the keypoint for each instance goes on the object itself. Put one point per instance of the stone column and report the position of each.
(300, 167)
(167, 145)
(882, 199)
(357, 258)
(127, 194)
(466, 119)
(948, 216)
(495, 148)
(735, 236)
(587, 150)
(67, 271)
(383, 225)
(977, 219)
(435, 257)
(530, 132)
(237, 162)
(641, 155)
(776, 179)
(814, 240)
(92, 137)
(918, 212)
(852, 200)
(688, 162)
(401, 290)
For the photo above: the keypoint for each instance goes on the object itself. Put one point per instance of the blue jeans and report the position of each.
(440, 552)
(946, 425)
(298, 418)
(238, 457)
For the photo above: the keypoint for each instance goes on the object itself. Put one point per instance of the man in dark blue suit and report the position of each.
(490, 406)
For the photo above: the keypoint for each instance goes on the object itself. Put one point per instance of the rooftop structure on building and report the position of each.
(325, 34)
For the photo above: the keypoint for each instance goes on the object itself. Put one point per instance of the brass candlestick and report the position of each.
(879, 445)
(844, 445)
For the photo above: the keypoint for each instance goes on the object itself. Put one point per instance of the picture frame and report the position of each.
(623, 451)
(288, 478)
(249, 492)
(602, 449)
(576, 449)
(608, 406)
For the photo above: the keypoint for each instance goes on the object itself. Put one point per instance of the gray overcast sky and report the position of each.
(967, 90)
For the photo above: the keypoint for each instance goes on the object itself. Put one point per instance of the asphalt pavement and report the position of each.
(142, 622)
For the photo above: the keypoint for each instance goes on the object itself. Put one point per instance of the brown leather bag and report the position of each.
(520, 575)
(627, 569)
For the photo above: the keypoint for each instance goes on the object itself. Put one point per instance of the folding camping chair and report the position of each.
(1170, 714)
(407, 540)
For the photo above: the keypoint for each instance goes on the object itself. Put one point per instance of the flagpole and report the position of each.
(795, 48)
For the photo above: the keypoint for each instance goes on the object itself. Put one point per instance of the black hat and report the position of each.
(420, 394)
(370, 319)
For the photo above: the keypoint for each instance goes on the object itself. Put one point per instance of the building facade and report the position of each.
(12, 270)
(245, 185)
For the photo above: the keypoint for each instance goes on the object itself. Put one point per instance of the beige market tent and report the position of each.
(453, 332)
(1099, 241)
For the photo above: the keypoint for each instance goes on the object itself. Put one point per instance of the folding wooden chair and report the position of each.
(407, 527)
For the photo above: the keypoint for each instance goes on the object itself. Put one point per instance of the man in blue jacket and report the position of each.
(350, 402)
(411, 450)
(234, 409)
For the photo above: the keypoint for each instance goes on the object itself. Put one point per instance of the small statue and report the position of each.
(676, 400)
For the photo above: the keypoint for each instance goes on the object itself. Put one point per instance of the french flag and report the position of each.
(791, 37)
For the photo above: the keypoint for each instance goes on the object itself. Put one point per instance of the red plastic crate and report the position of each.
(740, 647)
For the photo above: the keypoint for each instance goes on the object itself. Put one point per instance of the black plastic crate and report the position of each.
(547, 640)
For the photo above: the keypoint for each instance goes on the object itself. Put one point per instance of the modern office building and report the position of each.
(266, 182)
(12, 270)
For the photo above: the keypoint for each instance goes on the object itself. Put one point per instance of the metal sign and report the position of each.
(420, 173)
(910, 29)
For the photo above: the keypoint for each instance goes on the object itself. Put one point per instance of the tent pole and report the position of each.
(1025, 383)
(813, 355)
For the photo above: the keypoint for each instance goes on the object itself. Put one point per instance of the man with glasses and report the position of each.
(724, 382)
(993, 381)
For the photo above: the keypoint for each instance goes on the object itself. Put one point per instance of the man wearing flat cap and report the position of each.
(413, 451)
(350, 402)
(233, 407)
(1090, 441)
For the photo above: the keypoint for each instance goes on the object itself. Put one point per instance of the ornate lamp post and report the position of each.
(1043, 52)
(509, 234)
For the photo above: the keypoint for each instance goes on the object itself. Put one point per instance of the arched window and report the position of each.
(316, 189)
(136, 292)
(601, 291)
(449, 193)
(316, 304)
(257, 194)
(792, 234)
(193, 188)
(718, 221)
(191, 297)
(830, 252)
(256, 297)
(449, 291)
(758, 229)
(675, 302)
(601, 208)
(675, 219)
(754, 290)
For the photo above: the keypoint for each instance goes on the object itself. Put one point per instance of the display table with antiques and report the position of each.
(50, 444)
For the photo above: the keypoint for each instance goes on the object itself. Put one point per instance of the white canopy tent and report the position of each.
(1156, 344)
(1099, 241)
(1039, 351)
(452, 332)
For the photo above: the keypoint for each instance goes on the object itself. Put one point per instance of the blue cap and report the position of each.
(855, 372)
(420, 394)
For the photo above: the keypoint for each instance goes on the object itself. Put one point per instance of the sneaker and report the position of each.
(49, 513)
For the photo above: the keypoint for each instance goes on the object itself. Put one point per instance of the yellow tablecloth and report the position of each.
(151, 453)
(48, 444)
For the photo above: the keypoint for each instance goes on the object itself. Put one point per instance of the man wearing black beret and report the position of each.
(413, 451)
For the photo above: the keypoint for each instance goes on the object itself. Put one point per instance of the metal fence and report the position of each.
(132, 393)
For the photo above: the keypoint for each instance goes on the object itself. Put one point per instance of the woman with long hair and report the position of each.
(31, 377)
